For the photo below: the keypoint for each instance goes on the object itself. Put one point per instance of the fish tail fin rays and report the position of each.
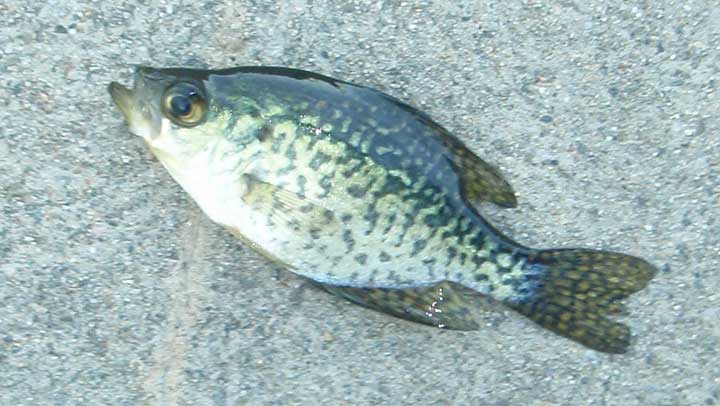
(439, 305)
(579, 288)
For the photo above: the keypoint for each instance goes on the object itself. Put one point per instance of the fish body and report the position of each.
(367, 196)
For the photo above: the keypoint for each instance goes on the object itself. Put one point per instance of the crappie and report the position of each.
(367, 196)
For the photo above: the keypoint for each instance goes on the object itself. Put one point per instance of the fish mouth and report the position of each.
(123, 98)
(136, 112)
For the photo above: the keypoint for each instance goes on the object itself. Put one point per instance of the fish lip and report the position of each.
(136, 114)
(123, 98)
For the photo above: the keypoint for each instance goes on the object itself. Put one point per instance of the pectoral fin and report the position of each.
(281, 205)
(439, 305)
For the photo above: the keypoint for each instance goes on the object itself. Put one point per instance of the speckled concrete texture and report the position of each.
(115, 289)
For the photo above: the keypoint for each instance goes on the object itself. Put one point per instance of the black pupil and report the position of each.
(181, 105)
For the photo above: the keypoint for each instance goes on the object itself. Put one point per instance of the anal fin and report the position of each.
(439, 305)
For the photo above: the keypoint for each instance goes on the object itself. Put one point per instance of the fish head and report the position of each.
(172, 110)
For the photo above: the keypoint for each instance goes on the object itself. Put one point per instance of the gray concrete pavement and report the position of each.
(115, 289)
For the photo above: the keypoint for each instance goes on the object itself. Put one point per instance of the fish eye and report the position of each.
(184, 104)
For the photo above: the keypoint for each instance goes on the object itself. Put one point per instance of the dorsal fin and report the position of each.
(375, 124)
(481, 181)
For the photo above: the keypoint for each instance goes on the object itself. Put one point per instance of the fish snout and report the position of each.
(123, 98)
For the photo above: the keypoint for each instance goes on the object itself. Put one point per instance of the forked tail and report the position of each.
(579, 288)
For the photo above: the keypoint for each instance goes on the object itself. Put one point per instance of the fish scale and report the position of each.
(367, 196)
(299, 146)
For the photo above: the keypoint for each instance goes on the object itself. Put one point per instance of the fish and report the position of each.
(368, 197)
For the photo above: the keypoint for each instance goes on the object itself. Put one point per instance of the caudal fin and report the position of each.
(579, 288)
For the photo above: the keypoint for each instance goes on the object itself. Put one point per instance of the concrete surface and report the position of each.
(115, 289)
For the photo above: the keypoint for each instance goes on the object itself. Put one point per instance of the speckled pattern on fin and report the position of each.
(280, 204)
(579, 288)
(482, 181)
(439, 305)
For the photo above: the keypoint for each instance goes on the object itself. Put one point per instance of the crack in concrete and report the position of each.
(164, 381)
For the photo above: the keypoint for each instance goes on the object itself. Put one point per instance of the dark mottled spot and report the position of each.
(326, 184)
(515, 283)
(319, 159)
(265, 132)
(346, 218)
(456, 231)
(371, 216)
(328, 215)
(301, 182)
(546, 119)
(480, 277)
(413, 196)
(436, 220)
(382, 148)
(306, 208)
(311, 143)
(349, 240)
(501, 270)
(409, 221)
(390, 222)
(463, 257)
(279, 138)
(361, 259)
(343, 159)
(477, 240)
(290, 152)
(429, 261)
(352, 169)
(286, 169)
(314, 233)
(451, 253)
(356, 191)
(384, 256)
(418, 246)
(393, 185)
